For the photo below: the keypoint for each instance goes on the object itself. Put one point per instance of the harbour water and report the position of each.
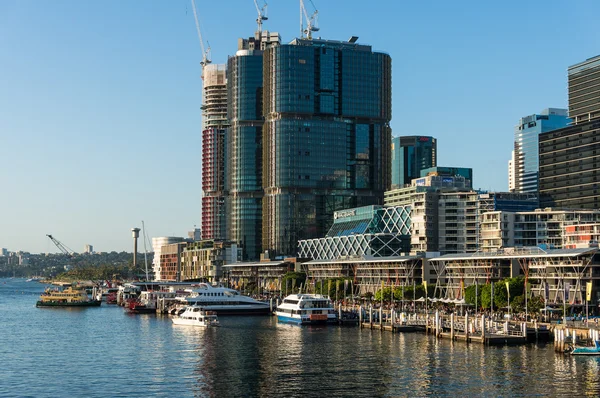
(104, 352)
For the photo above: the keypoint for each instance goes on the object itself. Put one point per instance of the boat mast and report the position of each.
(145, 250)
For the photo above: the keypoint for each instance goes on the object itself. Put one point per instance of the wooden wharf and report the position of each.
(467, 328)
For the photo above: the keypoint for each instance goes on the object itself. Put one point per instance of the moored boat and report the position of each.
(595, 350)
(306, 309)
(147, 302)
(68, 297)
(135, 306)
(223, 301)
(196, 316)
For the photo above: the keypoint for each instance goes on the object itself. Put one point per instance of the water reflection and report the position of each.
(113, 354)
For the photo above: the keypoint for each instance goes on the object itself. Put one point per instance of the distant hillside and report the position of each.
(51, 265)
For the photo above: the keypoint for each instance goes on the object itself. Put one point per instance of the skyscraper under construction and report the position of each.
(214, 122)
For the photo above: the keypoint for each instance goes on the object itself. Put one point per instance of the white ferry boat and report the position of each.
(223, 300)
(196, 316)
(306, 309)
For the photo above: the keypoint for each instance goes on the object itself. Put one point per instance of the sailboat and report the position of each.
(145, 250)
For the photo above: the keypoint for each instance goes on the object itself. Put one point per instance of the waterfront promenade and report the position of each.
(112, 353)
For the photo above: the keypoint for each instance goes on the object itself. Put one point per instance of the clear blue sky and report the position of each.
(100, 100)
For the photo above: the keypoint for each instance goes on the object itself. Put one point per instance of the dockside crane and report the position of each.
(61, 246)
(311, 22)
(205, 52)
(262, 14)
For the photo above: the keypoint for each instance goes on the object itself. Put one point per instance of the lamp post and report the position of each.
(508, 295)
(565, 297)
(492, 302)
(526, 311)
(476, 295)
(402, 298)
(426, 296)
(414, 296)
(546, 296)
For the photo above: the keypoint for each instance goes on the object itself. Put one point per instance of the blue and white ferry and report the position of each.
(306, 309)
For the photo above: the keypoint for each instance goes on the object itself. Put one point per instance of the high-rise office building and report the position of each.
(584, 90)
(410, 155)
(570, 157)
(244, 142)
(326, 137)
(526, 154)
(214, 122)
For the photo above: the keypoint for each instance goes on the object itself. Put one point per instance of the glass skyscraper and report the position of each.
(410, 155)
(244, 142)
(326, 136)
(526, 162)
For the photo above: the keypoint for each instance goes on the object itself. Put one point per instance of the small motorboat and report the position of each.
(196, 316)
(595, 350)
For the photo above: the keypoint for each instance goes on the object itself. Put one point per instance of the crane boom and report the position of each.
(261, 14)
(311, 22)
(64, 249)
(205, 52)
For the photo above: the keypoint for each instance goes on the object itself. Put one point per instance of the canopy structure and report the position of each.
(448, 301)
(550, 309)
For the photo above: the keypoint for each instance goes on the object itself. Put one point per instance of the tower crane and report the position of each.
(205, 52)
(311, 22)
(61, 246)
(261, 14)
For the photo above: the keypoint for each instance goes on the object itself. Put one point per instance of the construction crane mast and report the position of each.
(205, 52)
(64, 249)
(262, 14)
(311, 22)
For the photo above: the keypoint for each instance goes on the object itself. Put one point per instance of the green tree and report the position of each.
(407, 290)
(470, 295)
(485, 296)
(330, 287)
(517, 304)
(387, 294)
(535, 304)
(292, 281)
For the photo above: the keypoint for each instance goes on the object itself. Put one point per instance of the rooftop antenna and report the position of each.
(262, 14)
(205, 52)
(311, 22)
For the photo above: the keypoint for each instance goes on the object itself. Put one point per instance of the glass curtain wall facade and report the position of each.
(527, 132)
(245, 153)
(326, 137)
(243, 177)
(214, 123)
(410, 155)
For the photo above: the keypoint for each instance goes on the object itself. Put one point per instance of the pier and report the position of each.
(565, 338)
(467, 328)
